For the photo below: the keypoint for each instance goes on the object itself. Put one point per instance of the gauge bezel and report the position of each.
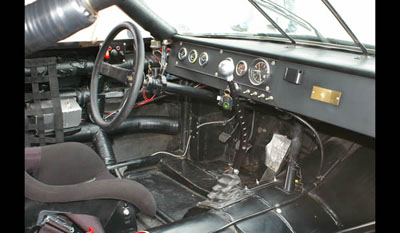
(179, 54)
(251, 68)
(206, 62)
(245, 68)
(195, 58)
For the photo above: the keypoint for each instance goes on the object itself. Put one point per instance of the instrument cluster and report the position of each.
(258, 71)
(252, 73)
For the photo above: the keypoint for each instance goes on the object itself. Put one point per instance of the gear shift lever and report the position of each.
(225, 69)
(229, 186)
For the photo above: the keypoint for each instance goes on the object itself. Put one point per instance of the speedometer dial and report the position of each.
(259, 71)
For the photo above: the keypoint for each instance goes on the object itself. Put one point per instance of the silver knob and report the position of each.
(226, 68)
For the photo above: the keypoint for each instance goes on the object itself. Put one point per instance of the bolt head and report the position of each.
(126, 211)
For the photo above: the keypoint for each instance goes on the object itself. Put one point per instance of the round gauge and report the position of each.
(192, 56)
(203, 59)
(241, 68)
(182, 53)
(259, 71)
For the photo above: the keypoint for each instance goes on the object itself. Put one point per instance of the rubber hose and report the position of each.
(147, 124)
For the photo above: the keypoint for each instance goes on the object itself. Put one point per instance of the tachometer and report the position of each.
(182, 53)
(192, 56)
(259, 71)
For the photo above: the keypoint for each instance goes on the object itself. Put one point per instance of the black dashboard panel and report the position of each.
(347, 81)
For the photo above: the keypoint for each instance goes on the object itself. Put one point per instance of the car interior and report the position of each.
(176, 132)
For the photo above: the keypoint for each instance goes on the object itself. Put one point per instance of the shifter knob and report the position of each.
(226, 68)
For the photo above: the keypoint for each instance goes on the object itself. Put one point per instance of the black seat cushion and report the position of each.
(119, 189)
(65, 163)
(68, 172)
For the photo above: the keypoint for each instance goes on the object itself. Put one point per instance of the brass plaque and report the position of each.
(326, 95)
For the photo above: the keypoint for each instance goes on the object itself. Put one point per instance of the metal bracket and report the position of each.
(158, 84)
(47, 216)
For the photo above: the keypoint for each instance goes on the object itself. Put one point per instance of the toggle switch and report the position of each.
(269, 98)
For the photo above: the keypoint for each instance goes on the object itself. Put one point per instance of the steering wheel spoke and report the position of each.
(117, 73)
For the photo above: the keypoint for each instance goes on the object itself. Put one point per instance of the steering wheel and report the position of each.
(133, 79)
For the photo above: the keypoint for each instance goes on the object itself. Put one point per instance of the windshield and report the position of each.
(301, 19)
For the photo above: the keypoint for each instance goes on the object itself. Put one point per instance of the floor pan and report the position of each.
(177, 186)
(173, 199)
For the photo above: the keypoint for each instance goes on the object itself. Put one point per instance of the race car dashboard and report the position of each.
(332, 86)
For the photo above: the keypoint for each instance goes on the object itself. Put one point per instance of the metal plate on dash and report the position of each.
(326, 95)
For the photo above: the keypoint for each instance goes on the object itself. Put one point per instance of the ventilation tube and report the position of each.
(102, 140)
(48, 21)
(145, 124)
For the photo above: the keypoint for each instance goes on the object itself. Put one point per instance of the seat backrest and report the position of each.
(65, 163)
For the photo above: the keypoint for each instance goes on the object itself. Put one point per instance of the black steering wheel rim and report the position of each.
(129, 101)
